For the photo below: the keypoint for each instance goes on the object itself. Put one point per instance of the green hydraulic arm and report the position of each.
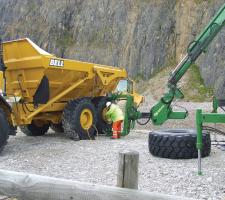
(162, 111)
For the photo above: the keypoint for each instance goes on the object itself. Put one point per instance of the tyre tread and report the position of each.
(177, 146)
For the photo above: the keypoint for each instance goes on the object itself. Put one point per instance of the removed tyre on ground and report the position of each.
(177, 143)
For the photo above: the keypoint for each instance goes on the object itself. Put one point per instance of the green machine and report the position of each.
(162, 111)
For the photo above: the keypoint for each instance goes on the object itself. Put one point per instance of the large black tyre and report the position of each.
(102, 126)
(72, 115)
(57, 128)
(177, 143)
(4, 131)
(34, 130)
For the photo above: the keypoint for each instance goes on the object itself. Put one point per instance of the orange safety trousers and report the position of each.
(116, 128)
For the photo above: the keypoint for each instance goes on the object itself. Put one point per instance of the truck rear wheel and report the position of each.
(34, 129)
(79, 119)
(5, 129)
(102, 126)
(177, 143)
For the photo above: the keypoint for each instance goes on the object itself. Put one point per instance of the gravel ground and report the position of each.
(96, 161)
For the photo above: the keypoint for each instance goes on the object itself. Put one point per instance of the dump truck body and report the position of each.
(42, 84)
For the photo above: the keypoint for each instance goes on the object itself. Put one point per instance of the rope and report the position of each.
(89, 133)
(215, 130)
(96, 130)
(220, 144)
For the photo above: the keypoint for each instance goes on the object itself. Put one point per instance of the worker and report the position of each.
(114, 114)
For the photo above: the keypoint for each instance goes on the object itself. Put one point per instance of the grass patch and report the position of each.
(195, 89)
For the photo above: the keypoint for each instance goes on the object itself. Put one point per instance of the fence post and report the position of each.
(127, 176)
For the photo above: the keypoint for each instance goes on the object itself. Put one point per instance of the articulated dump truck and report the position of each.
(39, 90)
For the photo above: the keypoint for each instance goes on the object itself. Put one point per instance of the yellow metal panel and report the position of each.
(138, 99)
(108, 74)
(41, 108)
(22, 49)
(53, 117)
(21, 111)
(1, 81)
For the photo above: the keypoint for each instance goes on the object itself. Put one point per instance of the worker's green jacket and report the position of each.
(115, 113)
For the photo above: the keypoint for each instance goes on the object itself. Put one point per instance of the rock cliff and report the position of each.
(141, 35)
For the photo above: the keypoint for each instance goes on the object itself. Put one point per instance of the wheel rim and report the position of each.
(86, 119)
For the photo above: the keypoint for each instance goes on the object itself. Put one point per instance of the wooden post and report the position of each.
(127, 176)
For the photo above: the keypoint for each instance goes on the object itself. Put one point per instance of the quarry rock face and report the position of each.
(140, 35)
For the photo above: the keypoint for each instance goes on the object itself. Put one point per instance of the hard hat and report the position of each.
(108, 104)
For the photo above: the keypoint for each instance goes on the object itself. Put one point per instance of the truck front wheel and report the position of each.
(34, 129)
(5, 129)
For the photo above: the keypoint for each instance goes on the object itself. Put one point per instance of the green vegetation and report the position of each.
(195, 89)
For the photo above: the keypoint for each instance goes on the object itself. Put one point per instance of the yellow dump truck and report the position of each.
(39, 90)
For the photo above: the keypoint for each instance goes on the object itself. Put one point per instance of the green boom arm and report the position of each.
(162, 111)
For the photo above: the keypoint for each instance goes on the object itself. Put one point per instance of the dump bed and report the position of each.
(30, 70)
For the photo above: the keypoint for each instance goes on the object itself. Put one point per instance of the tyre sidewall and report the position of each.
(83, 134)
